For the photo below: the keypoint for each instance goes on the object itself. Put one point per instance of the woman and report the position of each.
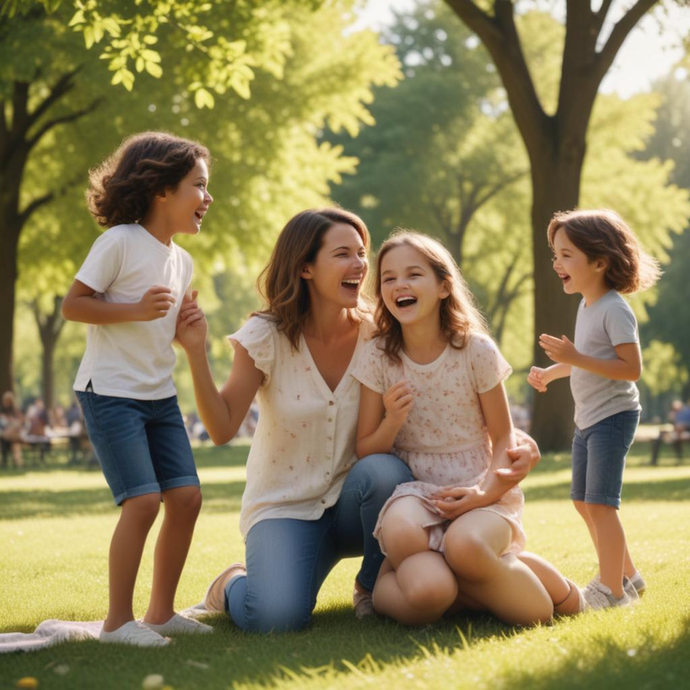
(306, 504)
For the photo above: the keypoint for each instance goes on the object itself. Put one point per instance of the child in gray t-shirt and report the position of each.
(598, 256)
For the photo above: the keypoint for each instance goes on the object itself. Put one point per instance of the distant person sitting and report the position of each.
(11, 428)
(679, 416)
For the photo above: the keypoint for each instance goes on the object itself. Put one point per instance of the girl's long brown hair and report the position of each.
(460, 317)
(281, 284)
(603, 234)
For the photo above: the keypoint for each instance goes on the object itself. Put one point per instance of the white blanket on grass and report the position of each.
(53, 632)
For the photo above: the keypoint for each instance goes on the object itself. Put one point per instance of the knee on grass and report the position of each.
(278, 617)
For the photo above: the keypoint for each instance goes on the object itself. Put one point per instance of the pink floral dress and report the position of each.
(444, 440)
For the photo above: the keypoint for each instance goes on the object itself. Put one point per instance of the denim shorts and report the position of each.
(599, 453)
(141, 445)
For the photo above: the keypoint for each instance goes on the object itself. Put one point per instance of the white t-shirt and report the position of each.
(133, 359)
(598, 330)
(304, 443)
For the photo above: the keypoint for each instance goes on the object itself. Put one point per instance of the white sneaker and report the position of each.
(134, 633)
(363, 603)
(180, 624)
(599, 596)
(215, 594)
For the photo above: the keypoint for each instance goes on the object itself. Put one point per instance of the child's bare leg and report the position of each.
(581, 508)
(418, 592)
(137, 517)
(182, 508)
(563, 592)
(402, 531)
(503, 584)
(611, 537)
(629, 568)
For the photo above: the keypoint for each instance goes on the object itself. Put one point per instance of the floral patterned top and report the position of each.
(444, 439)
(446, 416)
(304, 443)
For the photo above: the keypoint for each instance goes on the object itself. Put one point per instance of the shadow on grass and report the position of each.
(659, 490)
(645, 666)
(220, 497)
(336, 643)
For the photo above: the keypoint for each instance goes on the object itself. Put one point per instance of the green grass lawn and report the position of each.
(55, 526)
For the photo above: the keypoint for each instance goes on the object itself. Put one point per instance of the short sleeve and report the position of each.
(102, 265)
(620, 323)
(369, 367)
(257, 336)
(489, 367)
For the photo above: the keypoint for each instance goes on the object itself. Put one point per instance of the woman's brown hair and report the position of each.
(281, 284)
(603, 234)
(122, 188)
(460, 317)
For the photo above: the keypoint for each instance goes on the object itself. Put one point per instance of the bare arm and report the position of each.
(453, 502)
(377, 425)
(627, 365)
(221, 411)
(540, 378)
(82, 305)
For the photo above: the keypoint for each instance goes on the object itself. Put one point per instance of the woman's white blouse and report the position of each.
(304, 443)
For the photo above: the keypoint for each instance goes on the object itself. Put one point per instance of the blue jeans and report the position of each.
(599, 453)
(141, 445)
(288, 560)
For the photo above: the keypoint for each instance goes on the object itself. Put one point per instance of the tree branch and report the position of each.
(499, 35)
(63, 119)
(62, 86)
(600, 15)
(619, 33)
(44, 199)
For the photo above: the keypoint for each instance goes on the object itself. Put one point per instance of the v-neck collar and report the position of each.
(316, 374)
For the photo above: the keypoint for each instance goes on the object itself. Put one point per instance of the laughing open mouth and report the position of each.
(405, 301)
(351, 284)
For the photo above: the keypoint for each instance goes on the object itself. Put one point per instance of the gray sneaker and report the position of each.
(638, 583)
(599, 596)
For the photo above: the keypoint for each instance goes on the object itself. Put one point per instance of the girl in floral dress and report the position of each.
(433, 395)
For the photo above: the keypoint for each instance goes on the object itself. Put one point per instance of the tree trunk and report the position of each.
(49, 328)
(556, 187)
(10, 226)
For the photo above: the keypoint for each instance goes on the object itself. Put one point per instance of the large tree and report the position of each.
(556, 144)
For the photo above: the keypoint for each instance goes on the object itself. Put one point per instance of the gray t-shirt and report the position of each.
(599, 328)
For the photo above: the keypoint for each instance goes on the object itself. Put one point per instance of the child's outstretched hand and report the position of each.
(538, 379)
(191, 324)
(560, 350)
(155, 303)
(398, 401)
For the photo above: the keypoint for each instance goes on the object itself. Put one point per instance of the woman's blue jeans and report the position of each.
(288, 560)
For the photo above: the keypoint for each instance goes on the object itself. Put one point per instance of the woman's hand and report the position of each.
(452, 502)
(192, 326)
(398, 402)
